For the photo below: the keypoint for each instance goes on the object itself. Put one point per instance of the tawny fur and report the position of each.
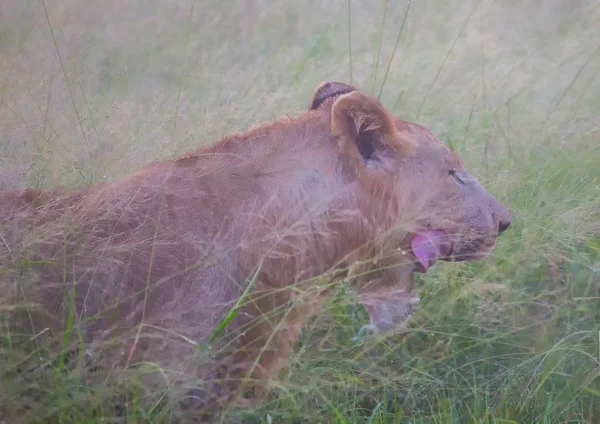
(156, 259)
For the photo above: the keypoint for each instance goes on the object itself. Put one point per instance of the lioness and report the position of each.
(232, 247)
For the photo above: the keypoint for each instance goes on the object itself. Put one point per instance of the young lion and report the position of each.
(233, 246)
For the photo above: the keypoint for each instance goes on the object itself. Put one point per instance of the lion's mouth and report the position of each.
(429, 246)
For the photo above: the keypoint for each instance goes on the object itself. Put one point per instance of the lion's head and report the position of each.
(442, 212)
(458, 219)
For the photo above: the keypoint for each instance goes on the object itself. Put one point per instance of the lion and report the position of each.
(230, 249)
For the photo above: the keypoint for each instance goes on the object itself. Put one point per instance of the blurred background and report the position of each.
(90, 91)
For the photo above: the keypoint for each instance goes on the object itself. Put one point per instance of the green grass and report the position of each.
(511, 86)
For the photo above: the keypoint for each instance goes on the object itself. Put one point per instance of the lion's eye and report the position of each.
(456, 176)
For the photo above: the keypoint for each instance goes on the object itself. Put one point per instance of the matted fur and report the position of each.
(150, 264)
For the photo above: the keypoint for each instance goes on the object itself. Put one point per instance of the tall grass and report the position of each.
(91, 91)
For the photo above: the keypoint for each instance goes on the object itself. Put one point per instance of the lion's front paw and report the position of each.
(389, 313)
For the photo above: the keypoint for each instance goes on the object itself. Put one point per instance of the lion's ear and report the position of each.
(366, 129)
(328, 90)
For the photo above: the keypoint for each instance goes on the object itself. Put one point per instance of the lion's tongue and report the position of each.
(428, 247)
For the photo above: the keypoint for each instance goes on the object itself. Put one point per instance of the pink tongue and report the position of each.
(428, 247)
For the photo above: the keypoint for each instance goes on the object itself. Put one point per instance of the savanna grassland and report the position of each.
(90, 91)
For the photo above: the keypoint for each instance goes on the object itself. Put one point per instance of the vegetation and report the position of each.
(90, 91)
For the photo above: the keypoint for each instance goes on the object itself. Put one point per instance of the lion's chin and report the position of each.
(464, 255)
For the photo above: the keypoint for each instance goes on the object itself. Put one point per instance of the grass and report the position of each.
(511, 86)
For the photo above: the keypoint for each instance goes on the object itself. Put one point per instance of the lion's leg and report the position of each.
(385, 289)
(251, 352)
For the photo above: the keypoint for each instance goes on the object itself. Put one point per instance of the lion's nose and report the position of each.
(503, 226)
(501, 215)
